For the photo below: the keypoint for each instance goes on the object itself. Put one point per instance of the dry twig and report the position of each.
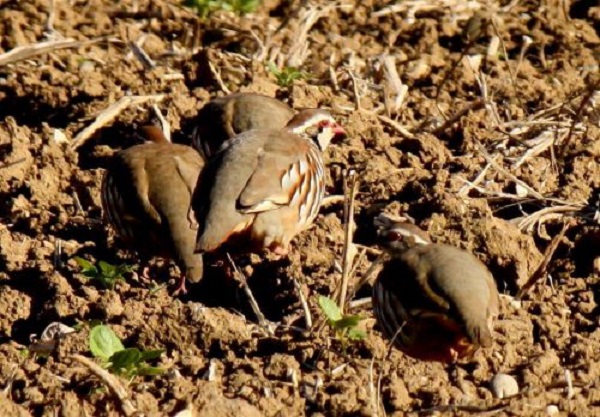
(304, 303)
(109, 114)
(349, 251)
(241, 278)
(404, 132)
(111, 382)
(21, 53)
(543, 266)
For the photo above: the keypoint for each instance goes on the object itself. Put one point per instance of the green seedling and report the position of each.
(108, 275)
(205, 7)
(345, 326)
(122, 361)
(286, 76)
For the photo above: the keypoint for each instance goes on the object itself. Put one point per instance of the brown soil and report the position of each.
(49, 193)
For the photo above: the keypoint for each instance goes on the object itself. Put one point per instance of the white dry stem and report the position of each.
(508, 174)
(217, 74)
(397, 89)
(338, 370)
(490, 106)
(331, 200)
(165, 126)
(262, 321)
(333, 73)
(21, 53)
(137, 49)
(541, 269)
(300, 50)
(403, 131)
(355, 89)
(372, 392)
(57, 262)
(113, 384)
(569, 381)
(461, 9)
(361, 302)
(14, 368)
(304, 303)
(527, 41)
(109, 114)
(464, 191)
(492, 49)
(49, 31)
(349, 251)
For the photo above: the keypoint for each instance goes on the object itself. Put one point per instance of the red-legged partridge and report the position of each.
(146, 196)
(225, 117)
(435, 301)
(264, 186)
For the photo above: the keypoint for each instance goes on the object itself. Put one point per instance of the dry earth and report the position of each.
(504, 95)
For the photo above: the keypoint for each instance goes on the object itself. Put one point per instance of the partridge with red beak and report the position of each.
(146, 196)
(225, 117)
(435, 301)
(264, 186)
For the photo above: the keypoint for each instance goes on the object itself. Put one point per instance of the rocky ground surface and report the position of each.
(487, 135)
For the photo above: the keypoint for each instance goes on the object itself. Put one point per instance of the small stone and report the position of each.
(87, 66)
(552, 410)
(503, 385)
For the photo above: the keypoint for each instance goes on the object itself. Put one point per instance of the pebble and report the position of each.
(503, 385)
(552, 410)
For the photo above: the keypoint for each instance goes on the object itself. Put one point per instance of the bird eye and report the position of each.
(394, 236)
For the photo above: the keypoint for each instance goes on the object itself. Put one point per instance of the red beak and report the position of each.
(339, 131)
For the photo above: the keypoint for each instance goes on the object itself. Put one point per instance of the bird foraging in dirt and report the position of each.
(435, 301)
(225, 117)
(264, 186)
(146, 195)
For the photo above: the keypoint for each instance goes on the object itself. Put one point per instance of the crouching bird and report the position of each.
(222, 118)
(436, 302)
(264, 186)
(146, 197)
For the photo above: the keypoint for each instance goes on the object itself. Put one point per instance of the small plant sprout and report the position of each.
(205, 7)
(108, 275)
(125, 362)
(345, 326)
(286, 76)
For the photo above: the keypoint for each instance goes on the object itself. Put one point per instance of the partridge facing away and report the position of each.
(264, 186)
(146, 197)
(435, 301)
(225, 117)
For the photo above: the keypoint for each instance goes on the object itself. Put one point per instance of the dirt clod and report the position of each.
(495, 142)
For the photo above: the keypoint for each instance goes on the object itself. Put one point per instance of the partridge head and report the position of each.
(264, 186)
(146, 196)
(225, 117)
(436, 302)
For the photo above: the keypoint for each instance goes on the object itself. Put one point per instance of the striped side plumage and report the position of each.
(264, 186)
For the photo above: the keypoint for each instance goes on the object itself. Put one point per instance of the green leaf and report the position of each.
(273, 68)
(356, 334)
(148, 355)
(330, 309)
(150, 370)
(104, 343)
(86, 266)
(125, 359)
(347, 322)
(124, 269)
(107, 269)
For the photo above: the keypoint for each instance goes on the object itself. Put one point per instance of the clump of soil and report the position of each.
(494, 144)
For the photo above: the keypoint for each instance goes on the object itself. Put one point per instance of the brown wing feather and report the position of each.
(279, 173)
